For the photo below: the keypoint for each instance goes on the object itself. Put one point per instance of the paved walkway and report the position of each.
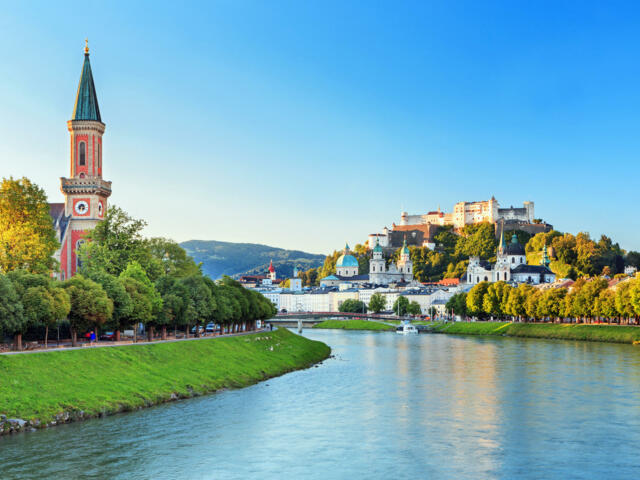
(131, 344)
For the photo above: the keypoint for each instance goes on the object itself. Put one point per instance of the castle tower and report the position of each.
(85, 191)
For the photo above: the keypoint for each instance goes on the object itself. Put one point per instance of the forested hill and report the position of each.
(227, 258)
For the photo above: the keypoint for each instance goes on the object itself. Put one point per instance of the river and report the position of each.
(387, 406)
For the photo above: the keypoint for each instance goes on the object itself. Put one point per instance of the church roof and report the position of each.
(86, 106)
(536, 269)
(347, 260)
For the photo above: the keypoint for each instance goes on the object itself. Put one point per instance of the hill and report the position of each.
(234, 259)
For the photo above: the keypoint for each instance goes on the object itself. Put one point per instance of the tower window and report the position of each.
(82, 154)
(99, 159)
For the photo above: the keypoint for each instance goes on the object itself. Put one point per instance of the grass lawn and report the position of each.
(354, 325)
(592, 333)
(95, 380)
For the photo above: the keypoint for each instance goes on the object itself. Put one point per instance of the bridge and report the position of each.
(310, 319)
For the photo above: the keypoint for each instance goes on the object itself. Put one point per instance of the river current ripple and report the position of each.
(387, 406)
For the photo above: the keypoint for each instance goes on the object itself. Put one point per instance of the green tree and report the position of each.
(414, 308)
(458, 304)
(147, 302)
(173, 258)
(174, 303)
(353, 306)
(122, 303)
(377, 303)
(516, 303)
(400, 306)
(201, 304)
(61, 308)
(475, 299)
(27, 237)
(90, 305)
(624, 305)
(605, 305)
(477, 240)
(496, 298)
(551, 304)
(12, 320)
(28, 286)
(116, 242)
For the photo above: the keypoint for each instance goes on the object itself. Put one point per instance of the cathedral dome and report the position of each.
(346, 259)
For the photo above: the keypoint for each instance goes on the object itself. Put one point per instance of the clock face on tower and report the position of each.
(81, 207)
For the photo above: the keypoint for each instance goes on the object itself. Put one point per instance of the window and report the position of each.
(513, 260)
(99, 159)
(82, 154)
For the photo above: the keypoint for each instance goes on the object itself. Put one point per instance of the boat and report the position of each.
(406, 328)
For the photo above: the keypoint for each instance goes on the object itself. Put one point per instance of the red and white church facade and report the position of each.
(85, 191)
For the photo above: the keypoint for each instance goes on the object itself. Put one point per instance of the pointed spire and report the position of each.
(346, 247)
(271, 267)
(545, 257)
(86, 106)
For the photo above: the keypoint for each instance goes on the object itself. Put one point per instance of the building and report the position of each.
(511, 266)
(85, 191)
(381, 274)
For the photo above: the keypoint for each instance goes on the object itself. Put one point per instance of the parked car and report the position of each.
(210, 328)
(111, 336)
(200, 329)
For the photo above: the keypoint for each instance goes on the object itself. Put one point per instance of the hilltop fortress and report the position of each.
(420, 229)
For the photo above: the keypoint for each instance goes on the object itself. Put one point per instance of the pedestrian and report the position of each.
(92, 337)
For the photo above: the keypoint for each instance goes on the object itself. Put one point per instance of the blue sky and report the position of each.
(308, 124)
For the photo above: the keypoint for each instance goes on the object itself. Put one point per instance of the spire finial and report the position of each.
(86, 46)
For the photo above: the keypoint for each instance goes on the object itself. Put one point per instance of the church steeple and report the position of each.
(86, 106)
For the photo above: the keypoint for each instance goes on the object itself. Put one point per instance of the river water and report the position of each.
(387, 406)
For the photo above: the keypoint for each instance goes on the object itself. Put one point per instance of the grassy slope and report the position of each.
(354, 325)
(41, 385)
(593, 333)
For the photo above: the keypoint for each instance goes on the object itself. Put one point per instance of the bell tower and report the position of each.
(85, 191)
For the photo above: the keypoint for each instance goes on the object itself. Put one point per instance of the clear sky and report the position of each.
(306, 124)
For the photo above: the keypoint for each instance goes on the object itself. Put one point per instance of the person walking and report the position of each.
(92, 337)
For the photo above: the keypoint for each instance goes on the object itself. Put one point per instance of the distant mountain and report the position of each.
(235, 259)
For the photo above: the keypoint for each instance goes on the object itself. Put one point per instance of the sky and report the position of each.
(306, 125)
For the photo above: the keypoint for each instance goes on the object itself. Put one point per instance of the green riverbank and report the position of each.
(590, 333)
(48, 388)
(354, 325)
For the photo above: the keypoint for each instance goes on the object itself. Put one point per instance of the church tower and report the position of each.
(85, 191)
(377, 266)
(405, 265)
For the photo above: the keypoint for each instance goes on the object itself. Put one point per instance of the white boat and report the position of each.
(406, 328)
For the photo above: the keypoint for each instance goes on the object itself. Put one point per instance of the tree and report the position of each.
(116, 242)
(353, 306)
(12, 318)
(632, 259)
(414, 308)
(605, 305)
(61, 308)
(551, 304)
(147, 302)
(29, 287)
(475, 299)
(496, 298)
(377, 303)
(516, 302)
(400, 305)
(477, 240)
(173, 258)
(624, 305)
(90, 305)
(27, 237)
(122, 303)
(458, 304)
(174, 303)
(38, 307)
(201, 304)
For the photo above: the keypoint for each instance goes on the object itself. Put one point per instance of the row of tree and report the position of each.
(378, 303)
(123, 280)
(587, 300)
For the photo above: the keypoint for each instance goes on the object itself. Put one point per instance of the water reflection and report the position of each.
(388, 406)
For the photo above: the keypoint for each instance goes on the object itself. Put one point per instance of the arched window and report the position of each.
(82, 154)
(78, 261)
(521, 260)
(99, 158)
(486, 279)
(477, 279)
(513, 260)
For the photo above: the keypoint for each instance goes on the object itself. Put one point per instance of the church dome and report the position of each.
(514, 247)
(347, 260)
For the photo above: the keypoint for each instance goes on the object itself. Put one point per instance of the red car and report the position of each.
(108, 336)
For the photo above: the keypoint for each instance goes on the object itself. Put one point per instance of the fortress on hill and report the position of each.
(418, 230)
